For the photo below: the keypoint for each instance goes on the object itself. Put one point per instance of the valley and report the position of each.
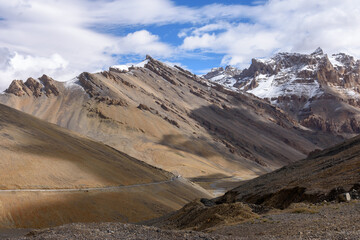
(51, 176)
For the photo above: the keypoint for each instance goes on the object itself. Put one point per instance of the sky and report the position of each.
(62, 38)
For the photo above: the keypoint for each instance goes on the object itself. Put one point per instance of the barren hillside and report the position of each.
(171, 119)
(51, 176)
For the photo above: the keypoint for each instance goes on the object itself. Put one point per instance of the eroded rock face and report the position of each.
(86, 81)
(317, 123)
(49, 86)
(156, 67)
(256, 68)
(18, 88)
(34, 86)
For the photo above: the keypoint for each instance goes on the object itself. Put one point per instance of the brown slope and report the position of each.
(37, 156)
(324, 175)
(171, 119)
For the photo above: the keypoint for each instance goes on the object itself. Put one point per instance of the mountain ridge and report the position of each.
(318, 91)
(172, 119)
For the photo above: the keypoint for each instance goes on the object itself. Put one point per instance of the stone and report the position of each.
(344, 197)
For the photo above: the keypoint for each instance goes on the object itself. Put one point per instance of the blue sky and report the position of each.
(198, 62)
(64, 38)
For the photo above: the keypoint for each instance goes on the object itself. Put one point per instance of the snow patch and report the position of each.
(349, 92)
(142, 64)
(335, 62)
(284, 84)
(125, 67)
(72, 83)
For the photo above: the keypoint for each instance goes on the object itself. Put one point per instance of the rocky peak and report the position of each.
(18, 88)
(232, 71)
(257, 67)
(214, 72)
(318, 51)
(49, 85)
(228, 72)
(218, 69)
(160, 69)
(293, 60)
(89, 84)
(148, 57)
(34, 86)
(344, 62)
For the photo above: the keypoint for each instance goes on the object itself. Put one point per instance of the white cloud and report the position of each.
(141, 42)
(278, 25)
(144, 12)
(16, 66)
(41, 36)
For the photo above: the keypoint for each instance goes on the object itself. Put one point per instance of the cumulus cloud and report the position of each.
(278, 25)
(56, 38)
(141, 42)
(16, 66)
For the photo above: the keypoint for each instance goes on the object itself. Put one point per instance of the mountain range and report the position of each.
(171, 119)
(134, 143)
(320, 92)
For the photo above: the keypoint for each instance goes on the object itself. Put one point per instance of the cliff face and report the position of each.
(320, 92)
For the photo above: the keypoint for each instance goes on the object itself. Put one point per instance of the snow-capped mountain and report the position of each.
(321, 92)
(224, 76)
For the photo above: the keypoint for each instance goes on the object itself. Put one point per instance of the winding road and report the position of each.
(177, 178)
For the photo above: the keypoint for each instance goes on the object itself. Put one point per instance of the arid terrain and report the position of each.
(159, 146)
(300, 221)
(312, 197)
(292, 202)
(172, 119)
(50, 176)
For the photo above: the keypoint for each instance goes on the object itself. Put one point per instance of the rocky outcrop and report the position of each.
(109, 101)
(214, 73)
(18, 88)
(87, 82)
(49, 86)
(159, 69)
(257, 67)
(317, 123)
(34, 86)
(252, 85)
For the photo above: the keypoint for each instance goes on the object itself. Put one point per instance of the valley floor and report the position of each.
(300, 221)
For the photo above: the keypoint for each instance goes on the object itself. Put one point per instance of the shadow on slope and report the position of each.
(324, 175)
(193, 145)
(32, 148)
(264, 139)
(37, 154)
